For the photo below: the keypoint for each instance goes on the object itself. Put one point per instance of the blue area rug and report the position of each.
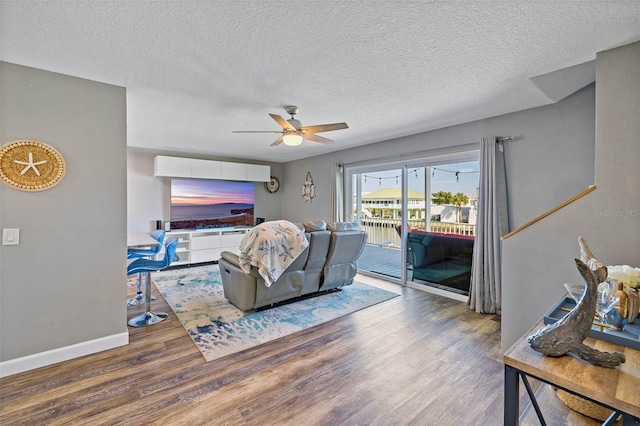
(218, 328)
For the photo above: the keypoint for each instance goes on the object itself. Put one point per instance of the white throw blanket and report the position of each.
(271, 247)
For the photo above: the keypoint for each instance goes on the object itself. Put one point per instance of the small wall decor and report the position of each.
(272, 185)
(308, 189)
(29, 165)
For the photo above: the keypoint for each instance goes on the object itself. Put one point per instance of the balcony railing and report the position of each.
(382, 232)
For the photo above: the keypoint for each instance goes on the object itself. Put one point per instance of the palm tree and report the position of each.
(459, 200)
(441, 197)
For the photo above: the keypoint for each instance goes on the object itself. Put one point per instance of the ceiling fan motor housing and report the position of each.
(295, 123)
(292, 110)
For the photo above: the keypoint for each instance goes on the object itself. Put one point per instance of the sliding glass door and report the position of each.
(377, 205)
(420, 218)
(440, 243)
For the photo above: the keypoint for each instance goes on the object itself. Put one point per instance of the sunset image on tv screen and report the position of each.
(201, 201)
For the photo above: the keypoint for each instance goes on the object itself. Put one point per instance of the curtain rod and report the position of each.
(416, 154)
(425, 153)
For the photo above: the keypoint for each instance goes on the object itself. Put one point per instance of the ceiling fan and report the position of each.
(293, 132)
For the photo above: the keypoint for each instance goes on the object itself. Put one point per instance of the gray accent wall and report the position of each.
(551, 160)
(65, 284)
(539, 259)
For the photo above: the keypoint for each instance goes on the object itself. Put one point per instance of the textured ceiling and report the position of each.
(195, 71)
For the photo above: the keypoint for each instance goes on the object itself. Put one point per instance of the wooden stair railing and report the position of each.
(555, 209)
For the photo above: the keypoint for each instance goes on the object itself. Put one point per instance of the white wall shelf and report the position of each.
(192, 168)
(206, 245)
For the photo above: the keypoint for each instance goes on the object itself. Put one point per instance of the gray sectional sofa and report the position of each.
(328, 263)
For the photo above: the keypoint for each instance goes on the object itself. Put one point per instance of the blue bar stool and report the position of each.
(137, 253)
(147, 266)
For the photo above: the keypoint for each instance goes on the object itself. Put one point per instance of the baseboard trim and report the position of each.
(42, 359)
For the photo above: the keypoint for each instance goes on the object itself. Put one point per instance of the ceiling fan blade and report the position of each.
(256, 131)
(278, 141)
(324, 127)
(283, 123)
(316, 138)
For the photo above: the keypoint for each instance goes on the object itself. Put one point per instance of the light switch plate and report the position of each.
(10, 237)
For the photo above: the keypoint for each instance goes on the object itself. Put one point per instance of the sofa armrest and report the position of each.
(233, 259)
(230, 257)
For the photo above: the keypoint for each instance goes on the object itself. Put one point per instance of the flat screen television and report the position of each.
(207, 203)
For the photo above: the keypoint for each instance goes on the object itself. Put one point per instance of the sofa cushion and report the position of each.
(343, 226)
(315, 225)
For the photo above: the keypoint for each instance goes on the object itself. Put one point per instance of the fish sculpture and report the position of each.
(566, 336)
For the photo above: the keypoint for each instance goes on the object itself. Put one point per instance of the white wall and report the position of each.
(63, 288)
(149, 198)
(538, 260)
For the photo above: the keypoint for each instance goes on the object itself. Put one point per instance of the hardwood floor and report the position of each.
(418, 359)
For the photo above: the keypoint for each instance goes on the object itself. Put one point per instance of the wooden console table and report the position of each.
(615, 388)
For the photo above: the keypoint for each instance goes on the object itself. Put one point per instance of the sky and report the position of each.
(443, 179)
(195, 191)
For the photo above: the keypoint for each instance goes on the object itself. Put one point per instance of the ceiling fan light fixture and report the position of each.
(293, 133)
(292, 139)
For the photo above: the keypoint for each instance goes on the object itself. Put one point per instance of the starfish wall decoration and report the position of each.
(30, 164)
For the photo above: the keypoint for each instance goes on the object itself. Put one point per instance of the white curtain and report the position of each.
(336, 195)
(485, 294)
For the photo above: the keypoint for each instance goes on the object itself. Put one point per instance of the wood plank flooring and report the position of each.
(419, 359)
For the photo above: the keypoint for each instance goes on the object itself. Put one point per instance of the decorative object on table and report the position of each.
(606, 300)
(272, 185)
(629, 277)
(616, 330)
(29, 165)
(308, 189)
(606, 316)
(219, 329)
(566, 336)
(621, 307)
(633, 306)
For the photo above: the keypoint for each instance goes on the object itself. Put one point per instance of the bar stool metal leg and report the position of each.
(139, 299)
(149, 317)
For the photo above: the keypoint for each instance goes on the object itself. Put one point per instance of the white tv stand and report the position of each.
(205, 245)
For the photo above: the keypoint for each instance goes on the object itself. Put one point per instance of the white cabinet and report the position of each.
(172, 166)
(209, 169)
(206, 245)
(205, 169)
(234, 171)
(230, 241)
(183, 250)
